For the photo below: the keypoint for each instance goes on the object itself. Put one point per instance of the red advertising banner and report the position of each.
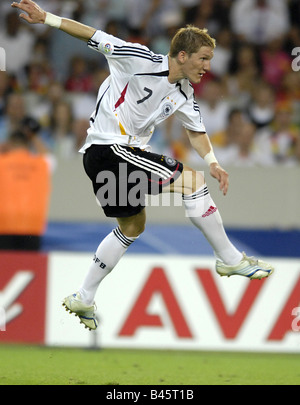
(176, 302)
(23, 279)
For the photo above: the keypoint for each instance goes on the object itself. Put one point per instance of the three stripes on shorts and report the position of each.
(143, 163)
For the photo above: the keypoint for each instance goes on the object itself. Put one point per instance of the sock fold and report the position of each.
(124, 240)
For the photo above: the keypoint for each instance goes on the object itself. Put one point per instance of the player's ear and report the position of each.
(182, 56)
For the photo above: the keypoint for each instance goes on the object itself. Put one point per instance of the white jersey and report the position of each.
(137, 95)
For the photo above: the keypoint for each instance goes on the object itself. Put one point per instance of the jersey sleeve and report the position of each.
(190, 116)
(104, 43)
(125, 56)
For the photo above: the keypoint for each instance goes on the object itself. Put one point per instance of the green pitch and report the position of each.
(29, 365)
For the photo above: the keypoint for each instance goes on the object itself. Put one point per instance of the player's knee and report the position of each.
(140, 229)
(134, 226)
(133, 230)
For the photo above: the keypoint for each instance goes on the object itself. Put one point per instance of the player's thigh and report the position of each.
(188, 182)
(134, 225)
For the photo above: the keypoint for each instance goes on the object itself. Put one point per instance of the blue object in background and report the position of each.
(171, 239)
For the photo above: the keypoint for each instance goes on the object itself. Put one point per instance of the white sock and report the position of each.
(108, 254)
(204, 214)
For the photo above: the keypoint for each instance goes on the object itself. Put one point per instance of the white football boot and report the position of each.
(248, 267)
(86, 313)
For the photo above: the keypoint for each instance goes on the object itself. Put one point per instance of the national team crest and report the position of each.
(167, 109)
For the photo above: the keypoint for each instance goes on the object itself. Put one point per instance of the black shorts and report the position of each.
(123, 175)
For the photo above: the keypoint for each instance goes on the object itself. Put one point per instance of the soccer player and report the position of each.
(144, 89)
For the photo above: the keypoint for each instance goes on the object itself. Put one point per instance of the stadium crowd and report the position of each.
(250, 100)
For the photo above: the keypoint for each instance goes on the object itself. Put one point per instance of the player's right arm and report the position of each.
(34, 14)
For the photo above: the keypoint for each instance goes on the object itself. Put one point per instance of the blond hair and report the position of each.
(190, 39)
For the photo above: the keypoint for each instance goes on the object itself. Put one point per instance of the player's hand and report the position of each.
(34, 14)
(221, 175)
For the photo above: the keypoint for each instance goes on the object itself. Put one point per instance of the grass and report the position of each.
(31, 365)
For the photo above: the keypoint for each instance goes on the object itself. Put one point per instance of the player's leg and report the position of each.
(153, 170)
(131, 223)
(109, 252)
(107, 256)
(204, 214)
(134, 225)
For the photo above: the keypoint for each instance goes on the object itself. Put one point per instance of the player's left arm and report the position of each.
(201, 143)
(34, 14)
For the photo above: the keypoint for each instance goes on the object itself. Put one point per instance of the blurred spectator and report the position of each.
(25, 175)
(114, 27)
(261, 108)
(148, 17)
(294, 12)
(243, 72)
(138, 15)
(206, 16)
(61, 44)
(5, 90)
(290, 88)
(275, 62)
(189, 9)
(255, 39)
(116, 10)
(161, 43)
(67, 128)
(225, 141)
(38, 77)
(244, 151)
(83, 104)
(44, 103)
(38, 72)
(79, 78)
(281, 137)
(222, 53)
(245, 155)
(290, 92)
(18, 41)
(293, 36)
(15, 111)
(227, 136)
(61, 130)
(259, 21)
(90, 12)
(292, 39)
(214, 106)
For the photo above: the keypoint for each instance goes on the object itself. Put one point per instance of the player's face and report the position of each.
(197, 64)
